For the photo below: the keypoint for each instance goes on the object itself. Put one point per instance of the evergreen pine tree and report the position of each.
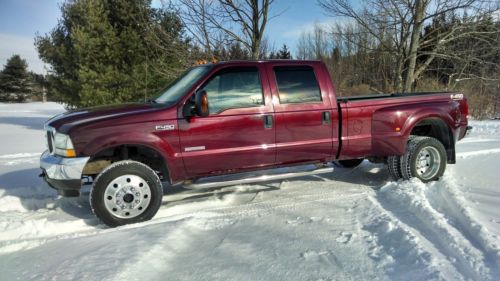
(284, 53)
(14, 79)
(112, 51)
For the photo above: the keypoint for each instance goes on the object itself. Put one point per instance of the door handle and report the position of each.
(268, 121)
(326, 118)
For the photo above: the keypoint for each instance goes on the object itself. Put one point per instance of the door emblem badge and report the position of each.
(168, 127)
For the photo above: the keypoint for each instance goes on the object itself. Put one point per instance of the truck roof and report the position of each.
(253, 62)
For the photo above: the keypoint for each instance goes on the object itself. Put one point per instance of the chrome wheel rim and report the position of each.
(127, 196)
(428, 162)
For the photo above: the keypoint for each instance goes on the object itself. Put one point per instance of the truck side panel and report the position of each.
(381, 127)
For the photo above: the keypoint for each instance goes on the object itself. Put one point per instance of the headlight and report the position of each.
(63, 145)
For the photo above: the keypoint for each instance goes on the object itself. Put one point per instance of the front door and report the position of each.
(239, 133)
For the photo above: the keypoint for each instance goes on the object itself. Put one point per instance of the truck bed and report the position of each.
(378, 125)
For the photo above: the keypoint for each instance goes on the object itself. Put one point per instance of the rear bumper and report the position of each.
(462, 131)
(467, 130)
(63, 174)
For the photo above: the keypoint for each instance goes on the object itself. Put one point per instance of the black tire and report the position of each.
(145, 185)
(425, 159)
(349, 163)
(394, 164)
(394, 167)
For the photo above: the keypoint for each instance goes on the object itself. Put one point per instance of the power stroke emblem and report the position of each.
(168, 127)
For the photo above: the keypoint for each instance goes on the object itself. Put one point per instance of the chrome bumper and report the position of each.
(60, 168)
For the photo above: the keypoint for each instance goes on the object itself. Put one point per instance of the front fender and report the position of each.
(131, 138)
(154, 141)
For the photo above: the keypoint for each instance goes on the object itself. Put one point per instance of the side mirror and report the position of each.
(201, 103)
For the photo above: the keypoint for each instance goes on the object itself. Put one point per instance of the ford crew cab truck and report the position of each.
(238, 117)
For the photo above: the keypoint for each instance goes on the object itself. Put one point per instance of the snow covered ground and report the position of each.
(349, 225)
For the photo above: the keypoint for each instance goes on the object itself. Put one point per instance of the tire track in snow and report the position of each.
(409, 204)
(413, 251)
(448, 200)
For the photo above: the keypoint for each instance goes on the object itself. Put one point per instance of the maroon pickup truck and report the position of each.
(241, 116)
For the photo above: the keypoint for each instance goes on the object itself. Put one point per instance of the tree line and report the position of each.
(419, 45)
(110, 51)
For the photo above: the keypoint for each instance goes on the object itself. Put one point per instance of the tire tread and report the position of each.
(394, 167)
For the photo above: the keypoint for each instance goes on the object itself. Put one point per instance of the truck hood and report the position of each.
(67, 120)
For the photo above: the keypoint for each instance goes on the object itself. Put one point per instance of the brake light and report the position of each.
(465, 107)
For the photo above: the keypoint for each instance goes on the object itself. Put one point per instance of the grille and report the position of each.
(50, 137)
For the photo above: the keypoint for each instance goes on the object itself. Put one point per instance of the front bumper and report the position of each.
(63, 174)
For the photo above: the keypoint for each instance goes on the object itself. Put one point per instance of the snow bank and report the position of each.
(491, 127)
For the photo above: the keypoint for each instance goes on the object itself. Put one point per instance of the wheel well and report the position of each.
(438, 129)
(140, 153)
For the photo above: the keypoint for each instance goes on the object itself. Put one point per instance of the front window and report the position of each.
(234, 88)
(181, 85)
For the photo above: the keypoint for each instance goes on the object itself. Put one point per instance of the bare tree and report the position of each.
(194, 16)
(304, 50)
(404, 21)
(243, 21)
(314, 44)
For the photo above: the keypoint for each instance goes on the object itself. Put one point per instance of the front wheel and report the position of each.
(126, 192)
(425, 159)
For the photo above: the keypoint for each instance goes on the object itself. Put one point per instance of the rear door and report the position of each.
(305, 120)
(239, 133)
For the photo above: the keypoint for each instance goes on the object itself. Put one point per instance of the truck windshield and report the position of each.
(178, 88)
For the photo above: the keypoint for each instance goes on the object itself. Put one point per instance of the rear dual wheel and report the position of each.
(425, 159)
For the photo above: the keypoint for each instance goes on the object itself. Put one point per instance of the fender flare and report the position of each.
(420, 115)
(436, 116)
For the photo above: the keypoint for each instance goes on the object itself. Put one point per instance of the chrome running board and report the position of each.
(259, 176)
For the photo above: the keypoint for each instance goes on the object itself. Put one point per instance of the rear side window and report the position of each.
(297, 85)
(234, 88)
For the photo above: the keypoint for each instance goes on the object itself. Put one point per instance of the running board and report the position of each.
(246, 178)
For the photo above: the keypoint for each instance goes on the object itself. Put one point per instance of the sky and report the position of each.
(21, 20)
